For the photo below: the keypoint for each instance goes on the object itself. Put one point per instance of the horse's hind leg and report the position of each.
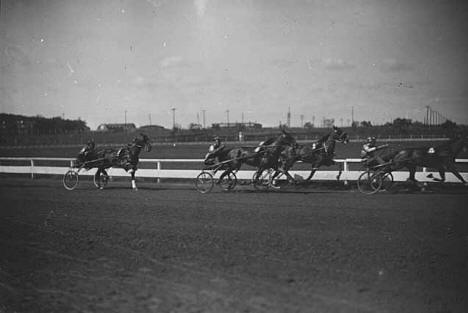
(451, 167)
(226, 172)
(441, 171)
(412, 173)
(97, 178)
(312, 173)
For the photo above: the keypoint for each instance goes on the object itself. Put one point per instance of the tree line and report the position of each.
(12, 125)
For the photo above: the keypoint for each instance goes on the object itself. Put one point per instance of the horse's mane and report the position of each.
(269, 141)
(323, 139)
(223, 154)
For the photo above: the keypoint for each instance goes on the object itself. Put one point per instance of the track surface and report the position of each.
(167, 248)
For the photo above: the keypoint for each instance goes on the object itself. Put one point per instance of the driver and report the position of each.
(369, 151)
(89, 148)
(217, 147)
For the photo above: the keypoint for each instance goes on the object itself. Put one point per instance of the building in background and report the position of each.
(117, 127)
(247, 125)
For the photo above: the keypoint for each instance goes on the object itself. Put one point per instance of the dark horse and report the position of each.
(126, 157)
(230, 160)
(441, 158)
(319, 153)
(264, 157)
(270, 155)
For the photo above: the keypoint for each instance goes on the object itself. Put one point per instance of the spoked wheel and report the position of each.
(204, 182)
(101, 180)
(263, 181)
(70, 180)
(228, 182)
(369, 182)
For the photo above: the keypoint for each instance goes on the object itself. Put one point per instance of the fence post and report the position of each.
(345, 170)
(32, 169)
(158, 167)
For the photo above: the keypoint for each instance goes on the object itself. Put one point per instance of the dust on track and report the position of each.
(167, 248)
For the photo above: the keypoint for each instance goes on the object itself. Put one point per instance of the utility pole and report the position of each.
(288, 120)
(352, 115)
(173, 118)
(302, 120)
(432, 117)
(227, 114)
(125, 121)
(426, 120)
(204, 125)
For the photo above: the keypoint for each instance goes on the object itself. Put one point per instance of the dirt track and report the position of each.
(167, 248)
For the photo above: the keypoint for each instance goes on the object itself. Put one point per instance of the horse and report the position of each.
(265, 156)
(441, 158)
(127, 157)
(319, 153)
(230, 160)
(269, 153)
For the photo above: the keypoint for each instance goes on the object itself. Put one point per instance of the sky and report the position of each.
(250, 60)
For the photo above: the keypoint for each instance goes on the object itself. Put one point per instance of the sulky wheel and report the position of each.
(369, 182)
(228, 182)
(70, 179)
(263, 181)
(101, 180)
(387, 181)
(204, 182)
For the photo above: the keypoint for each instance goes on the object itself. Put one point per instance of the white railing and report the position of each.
(159, 172)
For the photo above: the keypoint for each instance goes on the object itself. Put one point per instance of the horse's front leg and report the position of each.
(273, 178)
(290, 178)
(340, 171)
(134, 186)
(284, 170)
(258, 173)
